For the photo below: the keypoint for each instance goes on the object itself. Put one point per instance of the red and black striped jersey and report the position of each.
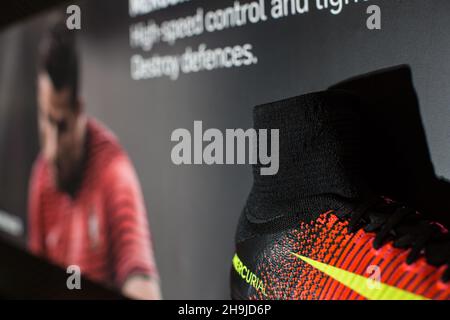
(103, 229)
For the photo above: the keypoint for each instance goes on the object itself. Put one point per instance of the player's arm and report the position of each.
(141, 287)
(134, 266)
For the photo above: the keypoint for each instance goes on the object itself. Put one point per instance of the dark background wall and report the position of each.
(193, 210)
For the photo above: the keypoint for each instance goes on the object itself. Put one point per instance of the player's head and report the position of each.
(60, 112)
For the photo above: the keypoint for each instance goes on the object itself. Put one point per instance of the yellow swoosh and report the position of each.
(359, 283)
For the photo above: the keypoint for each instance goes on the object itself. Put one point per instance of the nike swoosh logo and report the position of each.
(359, 283)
